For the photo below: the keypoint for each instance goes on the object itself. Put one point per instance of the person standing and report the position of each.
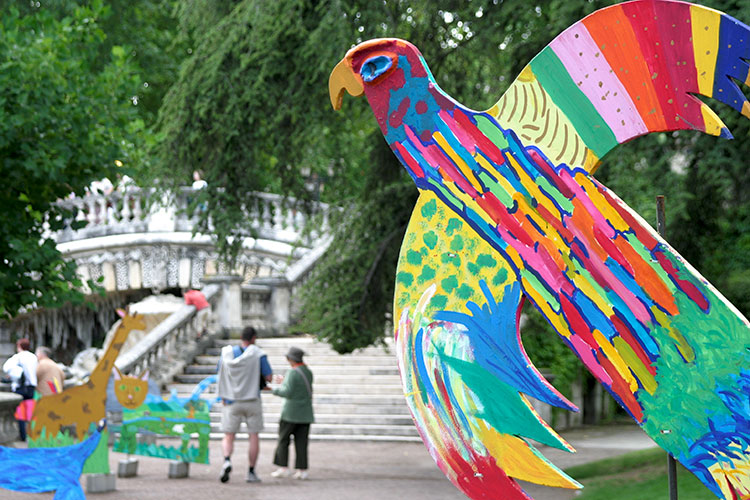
(296, 416)
(243, 370)
(47, 372)
(21, 368)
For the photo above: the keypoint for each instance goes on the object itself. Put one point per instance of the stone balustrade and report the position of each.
(8, 427)
(140, 210)
(166, 349)
(137, 241)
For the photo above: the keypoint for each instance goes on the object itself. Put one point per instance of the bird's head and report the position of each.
(373, 68)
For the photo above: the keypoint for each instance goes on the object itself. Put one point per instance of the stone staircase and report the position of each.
(356, 396)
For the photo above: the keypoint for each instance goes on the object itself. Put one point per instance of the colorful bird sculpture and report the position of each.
(509, 211)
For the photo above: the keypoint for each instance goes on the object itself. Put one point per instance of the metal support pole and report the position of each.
(661, 228)
(672, 474)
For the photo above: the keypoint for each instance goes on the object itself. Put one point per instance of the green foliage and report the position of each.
(145, 30)
(634, 476)
(346, 292)
(249, 108)
(64, 120)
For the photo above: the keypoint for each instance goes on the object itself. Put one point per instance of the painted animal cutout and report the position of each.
(130, 391)
(175, 417)
(509, 211)
(37, 470)
(82, 405)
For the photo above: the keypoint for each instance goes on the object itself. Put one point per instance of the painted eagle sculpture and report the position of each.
(509, 211)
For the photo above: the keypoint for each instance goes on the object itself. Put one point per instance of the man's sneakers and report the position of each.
(225, 470)
(301, 474)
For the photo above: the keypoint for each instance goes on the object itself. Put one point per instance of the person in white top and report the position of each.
(21, 368)
(198, 182)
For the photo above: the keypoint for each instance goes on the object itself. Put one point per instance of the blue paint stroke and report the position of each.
(492, 333)
(37, 470)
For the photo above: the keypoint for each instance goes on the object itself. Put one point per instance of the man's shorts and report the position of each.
(249, 411)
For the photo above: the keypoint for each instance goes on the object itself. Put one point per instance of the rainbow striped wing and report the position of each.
(625, 71)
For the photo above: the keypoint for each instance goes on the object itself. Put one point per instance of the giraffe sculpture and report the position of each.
(84, 404)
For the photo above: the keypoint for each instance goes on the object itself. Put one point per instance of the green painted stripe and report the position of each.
(499, 191)
(566, 95)
(557, 196)
(531, 277)
(492, 131)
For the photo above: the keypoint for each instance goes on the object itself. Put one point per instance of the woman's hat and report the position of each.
(295, 354)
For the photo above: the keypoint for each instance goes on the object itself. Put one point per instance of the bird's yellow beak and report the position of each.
(343, 79)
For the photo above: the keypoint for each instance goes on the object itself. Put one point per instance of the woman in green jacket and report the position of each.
(296, 416)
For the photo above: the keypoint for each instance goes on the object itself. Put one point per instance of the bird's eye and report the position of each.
(374, 67)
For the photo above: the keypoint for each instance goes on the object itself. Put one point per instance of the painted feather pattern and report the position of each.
(509, 211)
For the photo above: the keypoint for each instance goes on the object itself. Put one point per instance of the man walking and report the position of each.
(242, 372)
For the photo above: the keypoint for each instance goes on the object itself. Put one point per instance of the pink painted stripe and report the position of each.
(533, 259)
(580, 194)
(434, 155)
(586, 353)
(590, 70)
(464, 138)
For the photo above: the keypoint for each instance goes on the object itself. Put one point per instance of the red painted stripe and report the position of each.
(628, 337)
(492, 206)
(622, 389)
(555, 222)
(481, 140)
(645, 24)
(611, 250)
(551, 175)
(577, 325)
(686, 286)
(499, 214)
(408, 159)
(675, 29)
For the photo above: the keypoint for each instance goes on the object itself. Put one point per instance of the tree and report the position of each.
(251, 109)
(64, 120)
(145, 29)
(248, 107)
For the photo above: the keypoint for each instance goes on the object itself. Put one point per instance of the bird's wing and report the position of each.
(625, 71)
(463, 367)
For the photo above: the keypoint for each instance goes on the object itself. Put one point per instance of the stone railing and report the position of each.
(166, 349)
(140, 210)
(8, 425)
